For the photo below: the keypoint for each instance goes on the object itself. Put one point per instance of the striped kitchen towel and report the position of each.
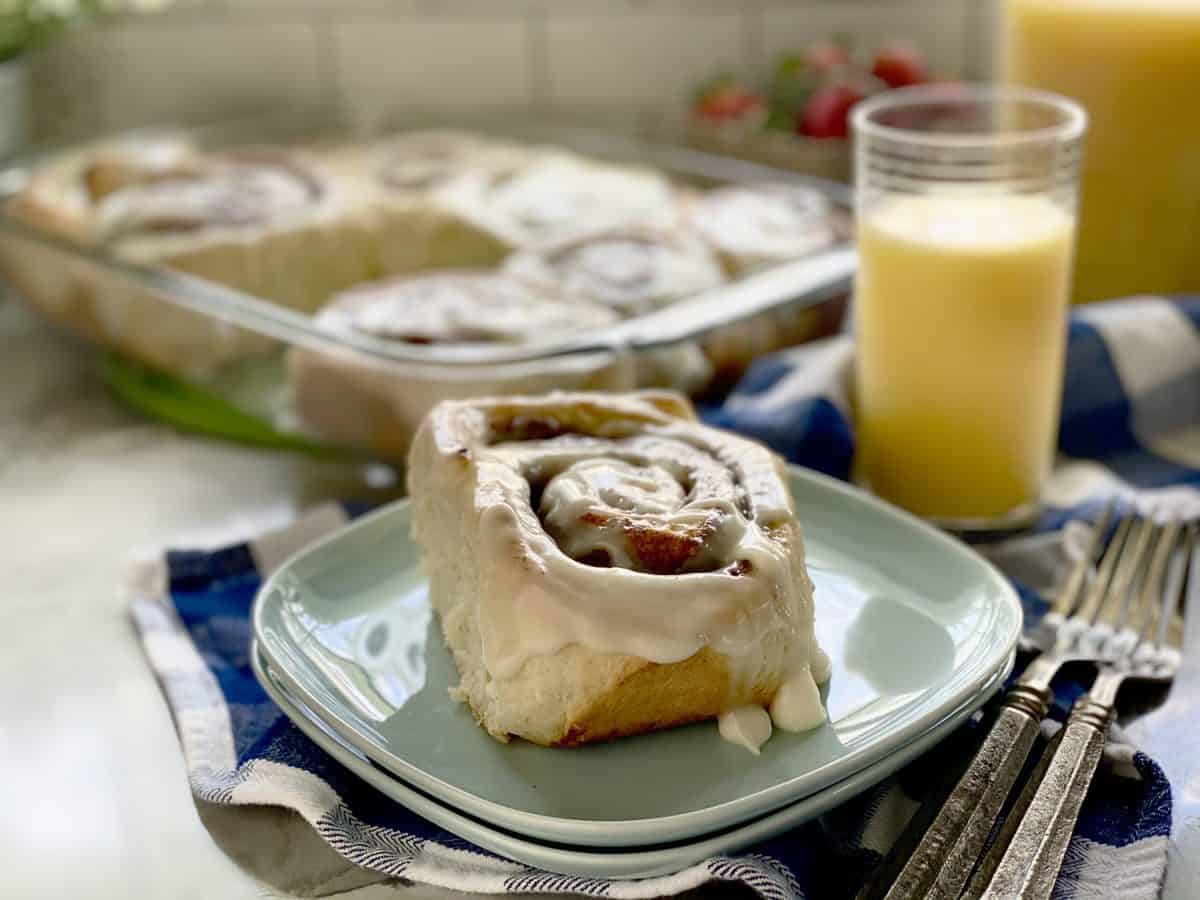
(1131, 420)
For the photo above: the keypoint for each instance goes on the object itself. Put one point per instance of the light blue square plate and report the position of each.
(916, 625)
(597, 862)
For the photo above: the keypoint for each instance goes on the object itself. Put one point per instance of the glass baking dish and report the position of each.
(250, 399)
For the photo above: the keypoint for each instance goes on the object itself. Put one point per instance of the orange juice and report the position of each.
(961, 327)
(1135, 66)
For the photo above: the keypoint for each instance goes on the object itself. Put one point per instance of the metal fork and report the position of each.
(1143, 646)
(951, 846)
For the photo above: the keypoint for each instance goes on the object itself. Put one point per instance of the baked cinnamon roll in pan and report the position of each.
(553, 197)
(356, 401)
(270, 223)
(751, 226)
(605, 565)
(631, 272)
(401, 177)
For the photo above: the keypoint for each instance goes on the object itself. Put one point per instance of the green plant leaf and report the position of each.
(190, 407)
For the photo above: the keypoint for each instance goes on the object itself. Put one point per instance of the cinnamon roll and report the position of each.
(59, 199)
(632, 273)
(402, 176)
(553, 197)
(268, 223)
(367, 403)
(604, 565)
(752, 226)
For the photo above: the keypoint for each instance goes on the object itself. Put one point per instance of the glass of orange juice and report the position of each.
(965, 205)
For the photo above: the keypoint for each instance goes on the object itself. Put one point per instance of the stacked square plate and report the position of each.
(921, 631)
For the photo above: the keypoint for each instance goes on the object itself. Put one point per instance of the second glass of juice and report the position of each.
(966, 199)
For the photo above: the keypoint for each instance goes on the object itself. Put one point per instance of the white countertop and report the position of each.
(95, 796)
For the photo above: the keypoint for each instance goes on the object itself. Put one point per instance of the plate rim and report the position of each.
(653, 860)
(597, 832)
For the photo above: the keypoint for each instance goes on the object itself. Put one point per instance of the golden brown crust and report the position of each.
(650, 696)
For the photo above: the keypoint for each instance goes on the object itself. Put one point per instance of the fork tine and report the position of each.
(1108, 563)
(1183, 589)
(1133, 566)
(1064, 604)
(1133, 573)
(1142, 620)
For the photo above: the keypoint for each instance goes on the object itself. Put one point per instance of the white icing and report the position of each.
(629, 273)
(557, 197)
(746, 726)
(764, 222)
(229, 193)
(797, 703)
(624, 467)
(457, 307)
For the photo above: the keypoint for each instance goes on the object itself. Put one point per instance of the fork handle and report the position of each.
(1030, 866)
(943, 860)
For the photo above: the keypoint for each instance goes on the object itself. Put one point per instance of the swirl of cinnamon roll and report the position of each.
(625, 568)
(196, 193)
(749, 225)
(631, 273)
(425, 160)
(401, 179)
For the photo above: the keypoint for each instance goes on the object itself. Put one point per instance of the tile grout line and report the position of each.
(753, 34)
(541, 97)
(331, 93)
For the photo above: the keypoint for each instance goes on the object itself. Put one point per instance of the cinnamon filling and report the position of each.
(621, 511)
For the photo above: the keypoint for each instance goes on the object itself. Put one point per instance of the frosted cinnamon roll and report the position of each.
(369, 404)
(604, 565)
(554, 197)
(60, 199)
(751, 226)
(272, 224)
(400, 177)
(632, 273)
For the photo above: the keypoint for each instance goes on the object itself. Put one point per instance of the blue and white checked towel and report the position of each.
(1131, 425)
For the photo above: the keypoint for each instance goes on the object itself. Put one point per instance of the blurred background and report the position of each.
(138, 61)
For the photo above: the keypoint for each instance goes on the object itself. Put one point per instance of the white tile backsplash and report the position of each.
(939, 28)
(450, 65)
(378, 57)
(637, 59)
(171, 70)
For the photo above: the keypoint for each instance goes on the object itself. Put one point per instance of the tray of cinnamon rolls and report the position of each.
(373, 276)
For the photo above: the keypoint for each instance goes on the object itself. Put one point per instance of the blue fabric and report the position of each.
(805, 419)
(798, 419)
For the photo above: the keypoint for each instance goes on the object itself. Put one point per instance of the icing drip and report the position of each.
(797, 703)
(746, 726)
